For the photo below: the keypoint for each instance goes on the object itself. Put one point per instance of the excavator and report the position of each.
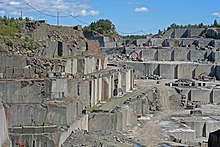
(203, 76)
(138, 56)
(20, 144)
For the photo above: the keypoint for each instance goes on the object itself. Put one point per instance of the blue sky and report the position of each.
(128, 16)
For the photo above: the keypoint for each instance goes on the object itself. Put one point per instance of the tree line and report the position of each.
(200, 25)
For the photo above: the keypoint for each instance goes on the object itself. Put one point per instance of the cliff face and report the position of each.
(4, 139)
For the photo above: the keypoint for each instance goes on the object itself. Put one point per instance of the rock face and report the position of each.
(47, 93)
(46, 99)
(59, 41)
(214, 139)
(4, 138)
(213, 33)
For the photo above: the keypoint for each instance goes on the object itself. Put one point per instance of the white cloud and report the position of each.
(14, 3)
(50, 7)
(85, 13)
(141, 10)
(2, 12)
(216, 14)
(93, 13)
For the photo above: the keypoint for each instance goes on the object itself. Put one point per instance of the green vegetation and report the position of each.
(133, 37)
(106, 28)
(90, 108)
(102, 26)
(10, 28)
(28, 43)
(10, 23)
(201, 25)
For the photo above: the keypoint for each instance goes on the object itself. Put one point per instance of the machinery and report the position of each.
(138, 58)
(20, 144)
(203, 76)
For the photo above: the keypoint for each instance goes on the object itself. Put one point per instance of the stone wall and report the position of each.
(92, 88)
(183, 33)
(186, 42)
(174, 70)
(177, 54)
(4, 138)
(202, 94)
(122, 120)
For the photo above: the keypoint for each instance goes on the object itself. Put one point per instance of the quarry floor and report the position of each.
(150, 134)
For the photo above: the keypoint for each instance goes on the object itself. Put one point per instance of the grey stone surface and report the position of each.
(217, 43)
(184, 134)
(122, 120)
(106, 121)
(17, 73)
(217, 72)
(4, 138)
(181, 33)
(25, 73)
(3, 61)
(167, 71)
(168, 33)
(204, 42)
(216, 56)
(61, 113)
(47, 139)
(171, 42)
(196, 55)
(165, 54)
(59, 88)
(80, 65)
(186, 42)
(1, 75)
(140, 68)
(195, 32)
(150, 54)
(28, 114)
(215, 96)
(204, 68)
(181, 54)
(200, 95)
(16, 61)
(157, 42)
(185, 71)
(8, 73)
(213, 33)
(141, 42)
(20, 92)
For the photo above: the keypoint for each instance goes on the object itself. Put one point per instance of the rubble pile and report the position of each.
(181, 82)
(72, 36)
(98, 139)
(115, 57)
(149, 77)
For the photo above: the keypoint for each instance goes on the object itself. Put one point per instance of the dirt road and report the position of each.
(150, 135)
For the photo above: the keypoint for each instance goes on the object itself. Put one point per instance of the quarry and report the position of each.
(78, 89)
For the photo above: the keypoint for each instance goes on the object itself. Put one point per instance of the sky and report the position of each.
(129, 16)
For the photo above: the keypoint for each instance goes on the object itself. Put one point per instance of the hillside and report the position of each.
(10, 36)
(103, 27)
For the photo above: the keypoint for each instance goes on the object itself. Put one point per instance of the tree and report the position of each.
(102, 26)
(201, 25)
(173, 26)
(159, 31)
(215, 24)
